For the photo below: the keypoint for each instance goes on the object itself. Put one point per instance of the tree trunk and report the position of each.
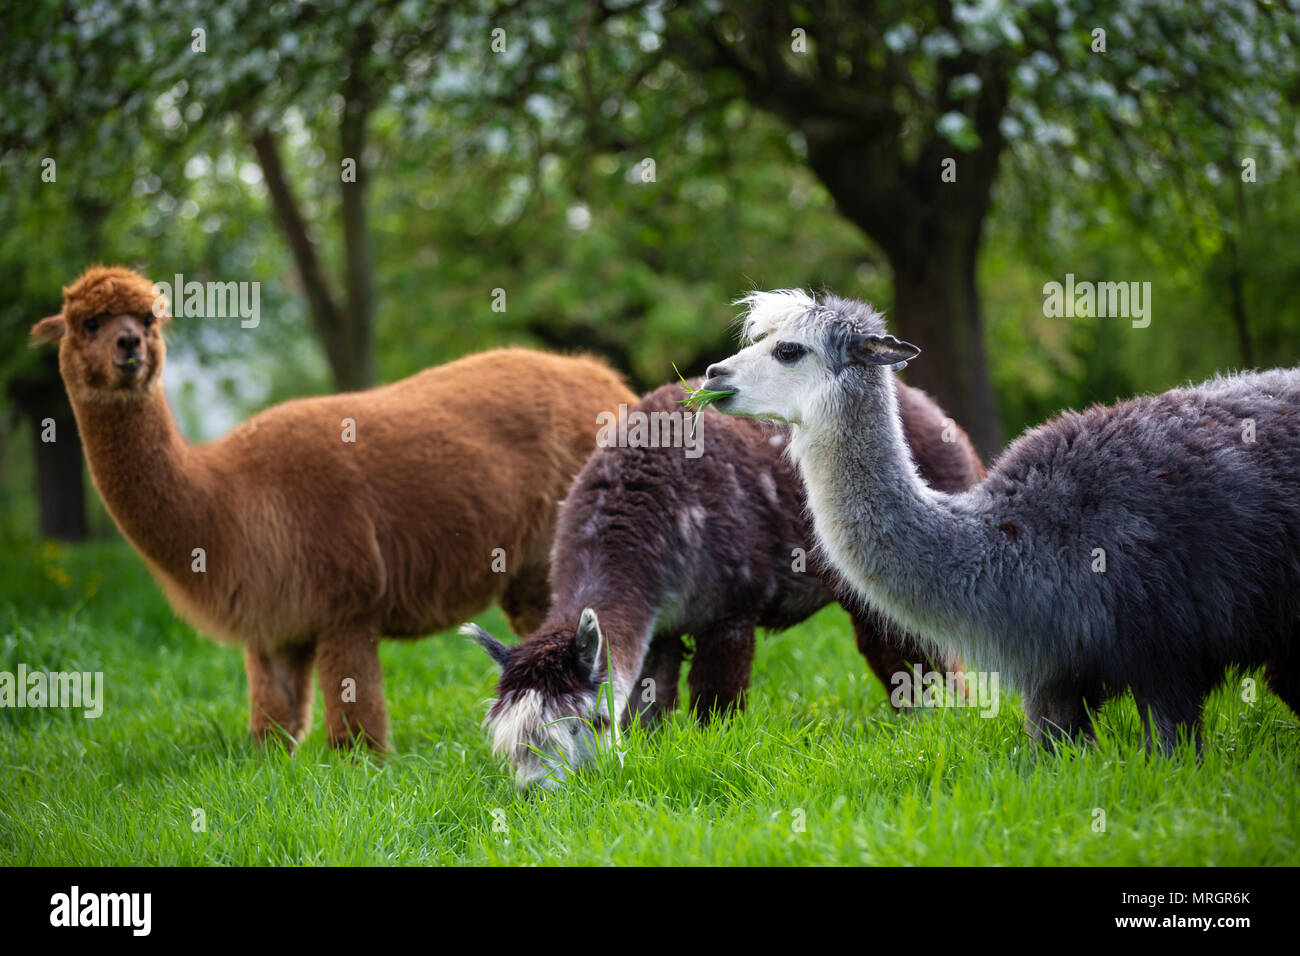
(60, 482)
(349, 350)
(360, 316)
(871, 130)
(936, 303)
(60, 478)
(930, 231)
(1237, 274)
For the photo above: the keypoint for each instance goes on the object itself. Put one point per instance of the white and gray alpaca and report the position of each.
(1150, 545)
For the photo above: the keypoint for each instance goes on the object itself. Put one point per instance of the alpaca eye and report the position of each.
(788, 352)
(148, 319)
(91, 325)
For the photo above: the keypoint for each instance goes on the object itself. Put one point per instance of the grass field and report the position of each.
(818, 770)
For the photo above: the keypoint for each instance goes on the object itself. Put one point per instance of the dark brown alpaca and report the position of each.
(322, 523)
(655, 542)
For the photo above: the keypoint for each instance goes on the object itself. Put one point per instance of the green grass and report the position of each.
(698, 399)
(818, 743)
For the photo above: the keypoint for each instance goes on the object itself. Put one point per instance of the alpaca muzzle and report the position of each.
(131, 368)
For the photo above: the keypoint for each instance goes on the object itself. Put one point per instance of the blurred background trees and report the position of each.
(411, 181)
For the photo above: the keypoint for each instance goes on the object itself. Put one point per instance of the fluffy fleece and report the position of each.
(652, 544)
(1152, 545)
(322, 523)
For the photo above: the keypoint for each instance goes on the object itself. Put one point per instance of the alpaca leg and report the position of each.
(352, 684)
(1283, 677)
(663, 666)
(1168, 719)
(279, 692)
(527, 598)
(720, 670)
(1056, 719)
(890, 654)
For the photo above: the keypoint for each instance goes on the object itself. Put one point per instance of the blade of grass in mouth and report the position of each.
(698, 399)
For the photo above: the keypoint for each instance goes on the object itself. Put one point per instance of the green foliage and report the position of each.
(525, 171)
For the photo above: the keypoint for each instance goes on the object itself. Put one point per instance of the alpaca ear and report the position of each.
(496, 650)
(882, 350)
(589, 643)
(49, 329)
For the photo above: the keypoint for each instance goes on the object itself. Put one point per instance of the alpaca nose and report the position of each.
(128, 341)
(715, 371)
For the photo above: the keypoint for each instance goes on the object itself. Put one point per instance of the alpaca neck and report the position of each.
(905, 547)
(150, 479)
(625, 621)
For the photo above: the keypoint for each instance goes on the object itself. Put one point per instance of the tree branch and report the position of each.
(325, 314)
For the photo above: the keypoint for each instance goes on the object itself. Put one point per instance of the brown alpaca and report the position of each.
(322, 523)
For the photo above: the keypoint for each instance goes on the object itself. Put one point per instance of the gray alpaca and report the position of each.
(1148, 545)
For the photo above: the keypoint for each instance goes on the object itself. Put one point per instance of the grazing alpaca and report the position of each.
(703, 534)
(322, 523)
(1149, 546)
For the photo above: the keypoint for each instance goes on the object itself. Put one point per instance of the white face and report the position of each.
(544, 738)
(548, 734)
(780, 377)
